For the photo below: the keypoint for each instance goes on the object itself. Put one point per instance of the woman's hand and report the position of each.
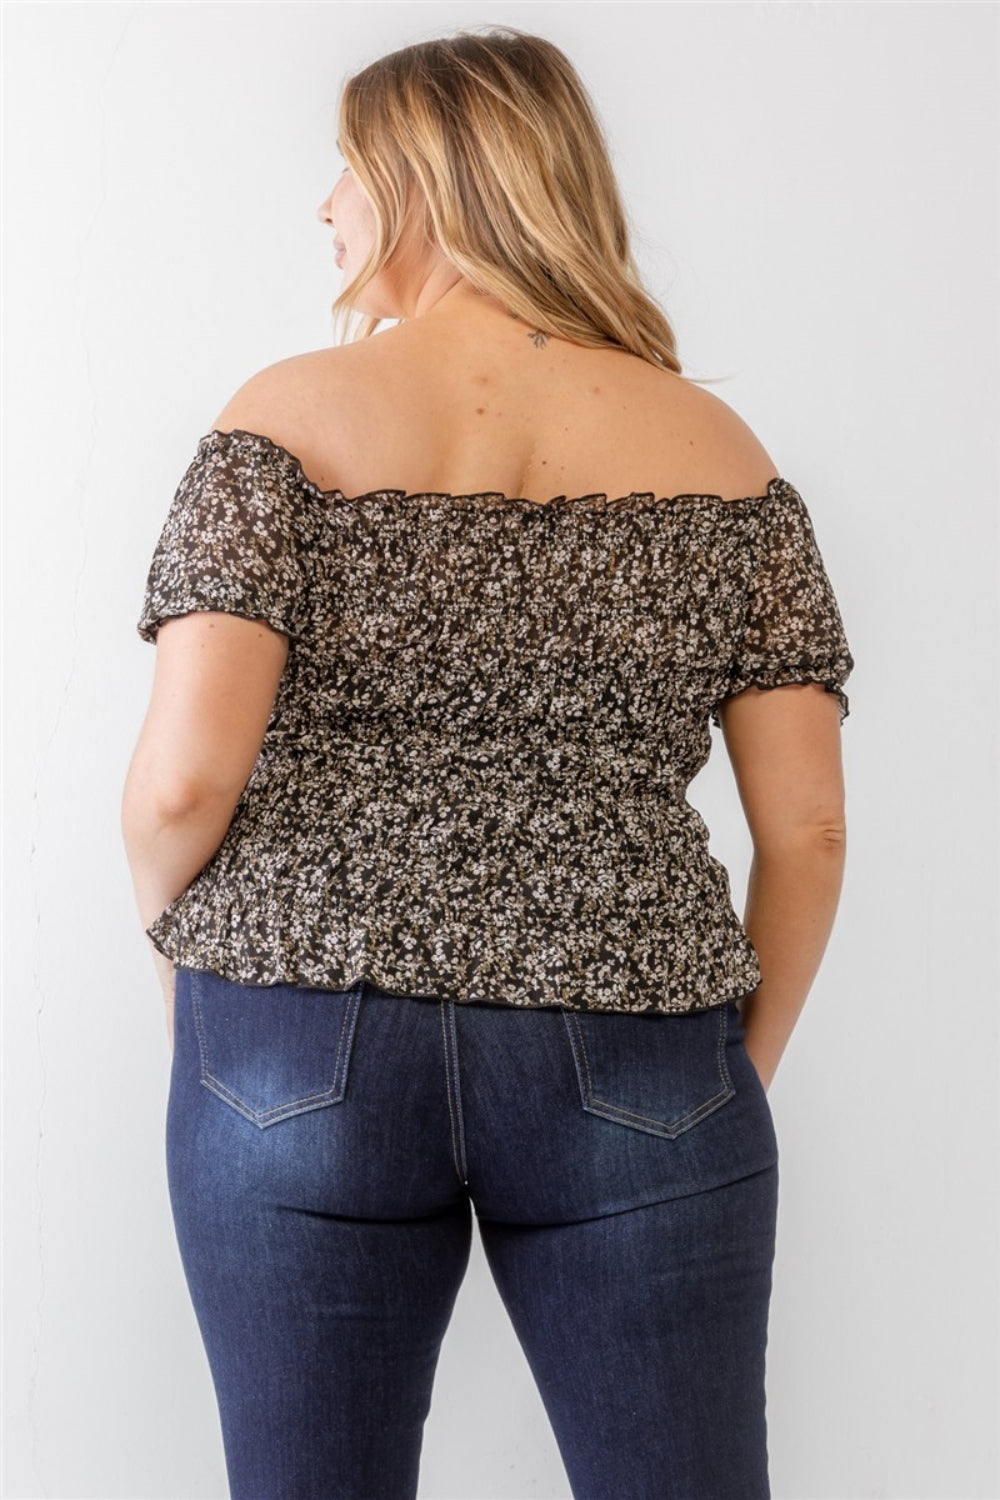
(168, 979)
(764, 1072)
(168, 1000)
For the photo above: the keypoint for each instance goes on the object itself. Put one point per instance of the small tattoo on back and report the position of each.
(537, 335)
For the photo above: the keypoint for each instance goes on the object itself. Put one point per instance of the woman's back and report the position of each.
(466, 399)
(500, 675)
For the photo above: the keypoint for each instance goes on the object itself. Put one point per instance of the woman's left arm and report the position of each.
(214, 686)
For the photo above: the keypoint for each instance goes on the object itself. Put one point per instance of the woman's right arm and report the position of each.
(785, 747)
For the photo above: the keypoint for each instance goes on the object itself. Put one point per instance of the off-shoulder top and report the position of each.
(472, 783)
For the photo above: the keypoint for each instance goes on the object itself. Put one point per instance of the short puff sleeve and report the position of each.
(792, 629)
(234, 539)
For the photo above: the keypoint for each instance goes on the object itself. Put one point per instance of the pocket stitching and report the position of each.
(619, 1114)
(264, 1117)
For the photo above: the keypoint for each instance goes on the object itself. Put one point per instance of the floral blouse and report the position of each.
(472, 784)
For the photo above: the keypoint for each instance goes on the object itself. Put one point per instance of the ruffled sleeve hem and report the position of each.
(830, 675)
(225, 601)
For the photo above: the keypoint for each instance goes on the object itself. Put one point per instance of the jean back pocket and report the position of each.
(272, 1051)
(657, 1072)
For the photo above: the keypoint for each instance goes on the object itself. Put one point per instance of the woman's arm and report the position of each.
(166, 847)
(785, 748)
(214, 686)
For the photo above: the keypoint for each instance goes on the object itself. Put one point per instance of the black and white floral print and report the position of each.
(472, 784)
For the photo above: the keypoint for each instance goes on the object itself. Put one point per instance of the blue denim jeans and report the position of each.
(325, 1153)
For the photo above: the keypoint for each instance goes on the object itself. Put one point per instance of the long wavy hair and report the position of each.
(491, 139)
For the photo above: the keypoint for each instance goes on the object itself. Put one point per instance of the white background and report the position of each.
(814, 191)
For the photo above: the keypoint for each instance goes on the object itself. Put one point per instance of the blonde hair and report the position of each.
(491, 139)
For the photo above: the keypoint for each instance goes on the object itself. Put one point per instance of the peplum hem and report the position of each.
(522, 987)
(519, 931)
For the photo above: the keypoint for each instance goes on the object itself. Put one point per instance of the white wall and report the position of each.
(814, 189)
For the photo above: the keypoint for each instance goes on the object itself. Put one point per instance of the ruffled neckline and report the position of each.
(777, 486)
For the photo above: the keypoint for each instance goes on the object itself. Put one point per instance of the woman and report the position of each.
(408, 828)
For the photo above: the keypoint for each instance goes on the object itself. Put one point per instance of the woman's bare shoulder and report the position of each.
(722, 453)
(282, 394)
(700, 443)
(289, 402)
